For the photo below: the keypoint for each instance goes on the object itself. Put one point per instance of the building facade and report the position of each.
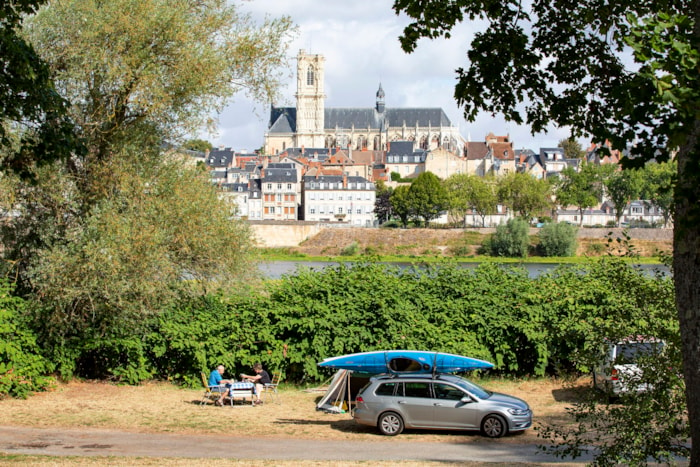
(311, 125)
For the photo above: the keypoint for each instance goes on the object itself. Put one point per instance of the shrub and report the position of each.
(350, 250)
(23, 369)
(510, 239)
(558, 240)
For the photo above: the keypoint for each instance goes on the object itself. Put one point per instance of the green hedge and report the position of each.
(527, 326)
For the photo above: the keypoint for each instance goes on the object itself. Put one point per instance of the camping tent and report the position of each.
(341, 393)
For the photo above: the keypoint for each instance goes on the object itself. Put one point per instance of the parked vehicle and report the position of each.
(618, 372)
(446, 402)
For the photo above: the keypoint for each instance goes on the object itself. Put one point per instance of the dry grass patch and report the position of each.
(159, 407)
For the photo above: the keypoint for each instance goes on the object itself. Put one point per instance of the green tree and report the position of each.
(510, 239)
(198, 145)
(34, 128)
(427, 197)
(400, 204)
(524, 194)
(471, 193)
(582, 188)
(622, 187)
(126, 228)
(382, 203)
(567, 62)
(659, 179)
(572, 148)
(558, 239)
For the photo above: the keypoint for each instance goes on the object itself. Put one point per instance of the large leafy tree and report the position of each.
(34, 128)
(625, 72)
(427, 197)
(121, 230)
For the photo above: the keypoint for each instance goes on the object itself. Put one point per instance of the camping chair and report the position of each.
(271, 388)
(211, 393)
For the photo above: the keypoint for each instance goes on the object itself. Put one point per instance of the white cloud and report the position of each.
(359, 40)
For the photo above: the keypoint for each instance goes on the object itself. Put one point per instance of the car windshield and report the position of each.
(473, 388)
(630, 352)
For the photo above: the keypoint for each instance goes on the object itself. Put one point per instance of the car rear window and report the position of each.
(630, 352)
(386, 389)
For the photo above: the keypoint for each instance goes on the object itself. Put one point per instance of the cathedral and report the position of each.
(311, 125)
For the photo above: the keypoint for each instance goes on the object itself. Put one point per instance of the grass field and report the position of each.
(160, 407)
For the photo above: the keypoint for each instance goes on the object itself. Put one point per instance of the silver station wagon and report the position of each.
(445, 402)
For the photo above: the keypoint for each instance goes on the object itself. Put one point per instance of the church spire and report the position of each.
(380, 99)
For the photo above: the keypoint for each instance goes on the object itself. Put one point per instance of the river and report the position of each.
(276, 269)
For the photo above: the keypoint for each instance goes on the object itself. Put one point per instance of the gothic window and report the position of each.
(310, 76)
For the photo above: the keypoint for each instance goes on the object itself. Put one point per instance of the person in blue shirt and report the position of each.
(216, 379)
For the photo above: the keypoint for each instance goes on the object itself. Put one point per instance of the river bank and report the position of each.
(465, 243)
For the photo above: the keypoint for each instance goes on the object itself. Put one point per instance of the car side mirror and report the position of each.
(466, 400)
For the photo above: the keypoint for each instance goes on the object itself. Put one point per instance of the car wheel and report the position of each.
(493, 426)
(390, 424)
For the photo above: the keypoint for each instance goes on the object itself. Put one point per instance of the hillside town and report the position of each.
(322, 164)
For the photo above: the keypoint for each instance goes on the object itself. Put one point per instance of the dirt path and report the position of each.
(94, 442)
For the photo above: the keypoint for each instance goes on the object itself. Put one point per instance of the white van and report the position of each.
(618, 371)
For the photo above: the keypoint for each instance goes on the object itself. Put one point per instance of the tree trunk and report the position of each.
(686, 271)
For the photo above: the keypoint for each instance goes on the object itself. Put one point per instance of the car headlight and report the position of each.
(519, 411)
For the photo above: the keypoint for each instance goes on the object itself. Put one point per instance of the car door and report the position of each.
(450, 410)
(416, 403)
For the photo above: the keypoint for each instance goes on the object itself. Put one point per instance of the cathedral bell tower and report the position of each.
(310, 101)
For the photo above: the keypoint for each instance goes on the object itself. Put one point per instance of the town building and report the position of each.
(339, 198)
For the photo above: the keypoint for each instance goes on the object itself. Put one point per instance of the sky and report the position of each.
(359, 41)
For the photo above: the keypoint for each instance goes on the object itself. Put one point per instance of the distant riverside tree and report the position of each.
(582, 188)
(382, 203)
(572, 148)
(622, 187)
(400, 204)
(427, 197)
(657, 186)
(471, 193)
(524, 194)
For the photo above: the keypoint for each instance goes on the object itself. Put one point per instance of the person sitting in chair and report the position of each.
(261, 378)
(216, 379)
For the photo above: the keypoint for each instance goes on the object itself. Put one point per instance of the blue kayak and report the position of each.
(404, 361)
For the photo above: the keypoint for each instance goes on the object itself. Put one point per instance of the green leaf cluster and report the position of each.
(23, 368)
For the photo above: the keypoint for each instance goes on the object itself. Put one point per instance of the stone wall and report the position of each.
(287, 234)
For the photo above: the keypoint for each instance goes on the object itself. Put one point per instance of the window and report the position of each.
(359, 210)
(331, 196)
(447, 392)
(386, 389)
(418, 389)
(312, 210)
(310, 76)
(279, 197)
(289, 186)
(269, 186)
(340, 210)
(279, 186)
(272, 209)
(312, 195)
